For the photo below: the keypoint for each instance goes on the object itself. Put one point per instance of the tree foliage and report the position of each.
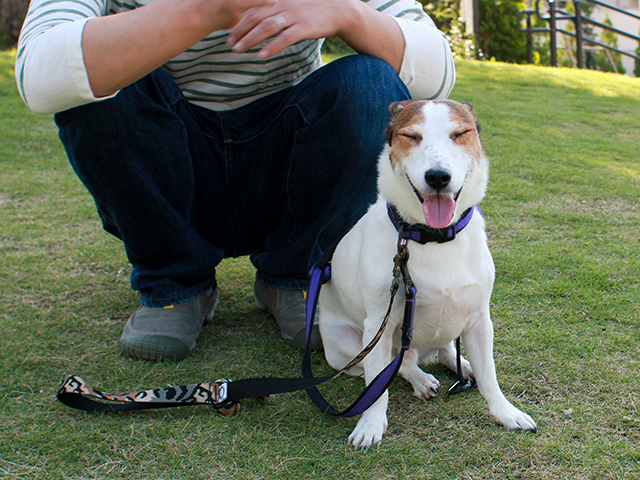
(499, 36)
(610, 61)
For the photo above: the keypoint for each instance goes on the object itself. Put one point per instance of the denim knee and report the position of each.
(137, 155)
(370, 75)
(359, 90)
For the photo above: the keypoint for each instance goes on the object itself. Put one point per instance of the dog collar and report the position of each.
(424, 234)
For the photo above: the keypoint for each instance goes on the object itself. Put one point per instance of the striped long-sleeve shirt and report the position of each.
(52, 77)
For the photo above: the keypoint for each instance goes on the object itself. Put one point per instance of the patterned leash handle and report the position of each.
(74, 392)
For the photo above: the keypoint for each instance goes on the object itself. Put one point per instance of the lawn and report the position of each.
(563, 216)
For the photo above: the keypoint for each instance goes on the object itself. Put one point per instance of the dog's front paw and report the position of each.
(513, 419)
(425, 386)
(368, 431)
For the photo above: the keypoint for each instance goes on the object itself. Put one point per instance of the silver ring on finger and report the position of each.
(280, 21)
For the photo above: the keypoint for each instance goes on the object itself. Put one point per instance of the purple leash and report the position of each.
(319, 275)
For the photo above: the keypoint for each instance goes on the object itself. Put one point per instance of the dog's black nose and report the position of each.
(437, 178)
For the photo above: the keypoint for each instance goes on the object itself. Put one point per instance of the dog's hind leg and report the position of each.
(447, 356)
(341, 345)
(425, 386)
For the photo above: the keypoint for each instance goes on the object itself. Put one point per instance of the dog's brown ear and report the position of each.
(394, 110)
(388, 132)
(395, 107)
(470, 108)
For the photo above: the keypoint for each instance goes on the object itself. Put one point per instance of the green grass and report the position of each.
(563, 217)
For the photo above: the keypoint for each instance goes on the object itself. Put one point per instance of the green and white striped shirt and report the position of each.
(51, 75)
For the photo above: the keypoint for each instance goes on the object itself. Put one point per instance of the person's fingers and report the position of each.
(228, 13)
(266, 28)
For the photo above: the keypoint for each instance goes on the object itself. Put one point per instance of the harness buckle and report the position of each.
(449, 235)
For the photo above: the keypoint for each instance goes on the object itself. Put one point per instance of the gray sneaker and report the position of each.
(168, 333)
(289, 309)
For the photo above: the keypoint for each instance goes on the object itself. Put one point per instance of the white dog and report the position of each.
(432, 171)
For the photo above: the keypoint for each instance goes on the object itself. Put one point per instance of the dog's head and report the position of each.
(433, 167)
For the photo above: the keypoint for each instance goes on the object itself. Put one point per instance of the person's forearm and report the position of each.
(373, 33)
(120, 49)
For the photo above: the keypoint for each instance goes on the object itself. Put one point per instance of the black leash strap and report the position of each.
(463, 383)
(222, 395)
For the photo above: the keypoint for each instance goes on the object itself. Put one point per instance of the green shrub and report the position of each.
(499, 36)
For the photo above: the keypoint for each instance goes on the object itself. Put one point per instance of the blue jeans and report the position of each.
(278, 179)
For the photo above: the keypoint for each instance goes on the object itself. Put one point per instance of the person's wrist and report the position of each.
(205, 15)
(352, 14)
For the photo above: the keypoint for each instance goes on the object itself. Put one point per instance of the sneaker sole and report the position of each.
(153, 348)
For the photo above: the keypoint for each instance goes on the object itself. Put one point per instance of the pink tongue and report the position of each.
(438, 210)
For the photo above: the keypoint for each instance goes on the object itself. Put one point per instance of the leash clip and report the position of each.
(399, 264)
(219, 391)
(402, 261)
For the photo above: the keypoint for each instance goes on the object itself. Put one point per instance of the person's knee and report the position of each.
(149, 95)
(369, 80)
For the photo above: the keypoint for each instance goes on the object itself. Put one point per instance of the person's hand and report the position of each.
(225, 14)
(290, 21)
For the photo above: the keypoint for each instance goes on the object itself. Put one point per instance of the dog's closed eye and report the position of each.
(458, 135)
(410, 135)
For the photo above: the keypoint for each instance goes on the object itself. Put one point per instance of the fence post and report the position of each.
(578, 25)
(552, 33)
(529, 41)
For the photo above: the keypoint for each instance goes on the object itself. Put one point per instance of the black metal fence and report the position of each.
(555, 14)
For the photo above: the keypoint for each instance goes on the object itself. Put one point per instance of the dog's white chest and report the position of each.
(443, 311)
(454, 283)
